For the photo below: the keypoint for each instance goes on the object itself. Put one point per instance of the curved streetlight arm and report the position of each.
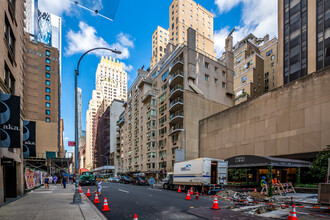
(77, 196)
(97, 48)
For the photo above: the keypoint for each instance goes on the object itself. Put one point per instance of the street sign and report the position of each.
(71, 143)
(7, 162)
(151, 181)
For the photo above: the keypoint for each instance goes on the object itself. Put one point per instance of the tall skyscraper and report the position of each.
(79, 103)
(160, 39)
(110, 84)
(304, 38)
(187, 13)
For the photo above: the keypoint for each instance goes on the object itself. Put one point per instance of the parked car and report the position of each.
(140, 180)
(125, 180)
(87, 178)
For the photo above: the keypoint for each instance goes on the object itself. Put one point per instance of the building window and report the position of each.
(47, 89)
(47, 75)
(224, 74)
(215, 80)
(175, 138)
(47, 105)
(207, 77)
(224, 85)
(47, 97)
(47, 67)
(272, 64)
(47, 53)
(47, 60)
(9, 80)
(273, 57)
(243, 79)
(47, 82)
(9, 36)
(268, 53)
(47, 112)
(207, 65)
(164, 76)
(47, 119)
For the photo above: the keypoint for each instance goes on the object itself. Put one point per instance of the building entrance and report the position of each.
(10, 181)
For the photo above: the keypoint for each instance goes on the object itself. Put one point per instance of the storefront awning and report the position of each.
(247, 161)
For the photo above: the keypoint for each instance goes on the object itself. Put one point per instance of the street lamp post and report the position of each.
(107, 162)
(77, 196)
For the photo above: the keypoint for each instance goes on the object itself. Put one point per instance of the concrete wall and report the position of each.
(196, 107)
(291, 120)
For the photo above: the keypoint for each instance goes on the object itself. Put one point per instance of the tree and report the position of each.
(319, 166)
(238, 174)
(270, 183)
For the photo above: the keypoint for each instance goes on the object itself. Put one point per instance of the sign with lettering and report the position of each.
(7, 162)
(29, 139)
(10, 121)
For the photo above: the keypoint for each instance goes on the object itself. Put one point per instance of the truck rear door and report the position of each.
(214, 172)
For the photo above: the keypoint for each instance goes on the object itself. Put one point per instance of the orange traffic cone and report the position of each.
(292, 213)
(188, 195)
(255, 189)
(215, 204)
(105, 205)
(80, 189)
(179, 190)
(88, 192)
(135, 217)
(191, 191)
(96, 200)
(197, 195)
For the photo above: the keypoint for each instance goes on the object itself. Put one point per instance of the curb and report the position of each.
(94, 207)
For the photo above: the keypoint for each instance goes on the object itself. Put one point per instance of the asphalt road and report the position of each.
(125, 200)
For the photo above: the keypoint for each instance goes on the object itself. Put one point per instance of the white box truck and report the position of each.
(204, 174)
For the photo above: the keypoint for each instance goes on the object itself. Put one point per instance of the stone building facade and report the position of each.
(164, 106)
(291, 121)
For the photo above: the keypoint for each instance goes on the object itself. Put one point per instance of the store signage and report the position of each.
(7, 162)
(10, 121)
(29, 139)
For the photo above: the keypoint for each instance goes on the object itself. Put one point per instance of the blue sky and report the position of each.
(131, 31)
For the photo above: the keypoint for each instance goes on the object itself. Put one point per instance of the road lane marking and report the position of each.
(155, 189)
(121, 190)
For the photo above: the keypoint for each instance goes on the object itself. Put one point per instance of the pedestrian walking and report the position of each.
(64, 181)
(46, 181)
(99, 186)
(96, 183)
(55, 180)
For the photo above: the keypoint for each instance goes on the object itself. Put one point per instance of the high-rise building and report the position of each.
(255, 66)
(110, 84)
(184, 14)
(160, 39)
(41, 95)
(11, 77)
(160, 123)
(304, 38)
(94, 104)
(79, 104)
(105, 141)
(43, 26)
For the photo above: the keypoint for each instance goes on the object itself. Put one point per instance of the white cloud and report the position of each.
(259, 17)
(57, 7)
(226, 5)
(127, 68)
(86, 38)
(66, 138)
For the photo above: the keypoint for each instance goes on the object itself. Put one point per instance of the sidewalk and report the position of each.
(55, 203)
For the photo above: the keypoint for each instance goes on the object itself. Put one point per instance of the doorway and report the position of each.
(10, 183)
(214, 172)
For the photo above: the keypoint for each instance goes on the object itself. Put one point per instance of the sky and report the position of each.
(131, 31)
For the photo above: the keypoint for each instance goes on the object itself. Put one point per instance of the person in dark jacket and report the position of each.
(64, 181)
